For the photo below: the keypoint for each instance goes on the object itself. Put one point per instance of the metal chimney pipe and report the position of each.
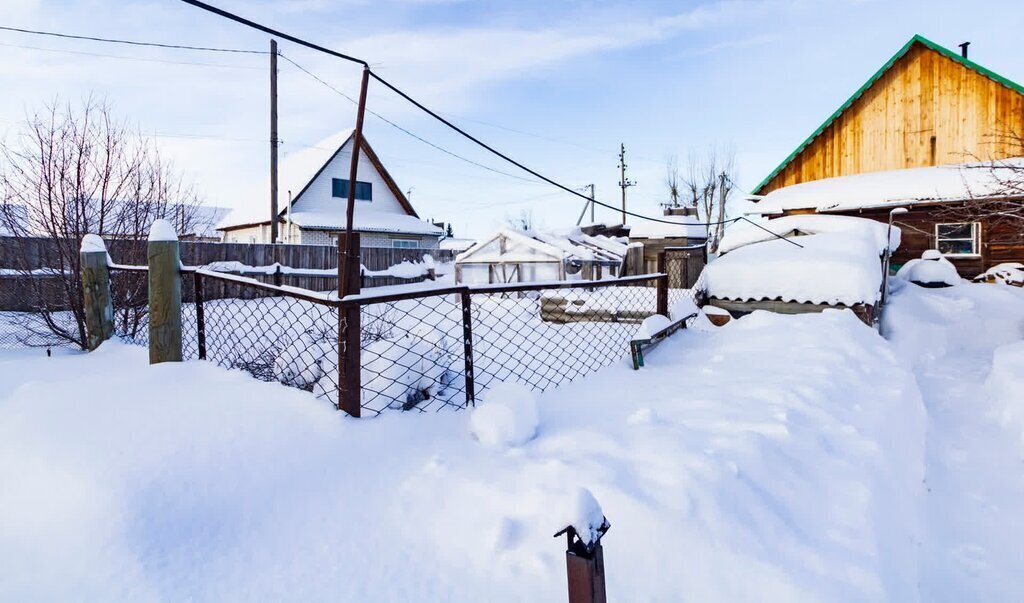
(963, 49)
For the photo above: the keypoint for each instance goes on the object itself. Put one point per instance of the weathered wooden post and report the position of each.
(349, 367)
(662, 286)
(164, 294)
(99, 308)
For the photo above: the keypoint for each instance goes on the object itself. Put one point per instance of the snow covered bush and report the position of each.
(303, 362)
(506, 417)
(398, 371)
(931, 270)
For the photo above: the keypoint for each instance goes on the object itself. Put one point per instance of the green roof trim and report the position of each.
(874, 78)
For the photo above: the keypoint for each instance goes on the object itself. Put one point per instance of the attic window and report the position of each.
(957, 239)
(339, 188)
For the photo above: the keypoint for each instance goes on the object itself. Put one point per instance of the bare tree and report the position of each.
(74, 170)
(522, 221)
(996, 188)
(707, 184)
(672, 181)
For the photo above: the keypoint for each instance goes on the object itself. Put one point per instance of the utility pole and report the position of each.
(624, 183)
(589, 204)
(273, 141)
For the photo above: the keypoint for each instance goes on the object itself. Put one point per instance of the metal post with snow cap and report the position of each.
(164, 293)
(584, 556)
(99, 308)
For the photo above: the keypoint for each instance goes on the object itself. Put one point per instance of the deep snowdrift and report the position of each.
(777, 458)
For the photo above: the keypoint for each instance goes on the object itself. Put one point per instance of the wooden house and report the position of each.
(928, 117)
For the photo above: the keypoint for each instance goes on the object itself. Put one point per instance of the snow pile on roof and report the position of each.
(930, 269)
(800, 432)
(689, 227)
(1006, 382)
(366, 220)
(894, 187)
(509, 246)
(830, 268)
(744, 233)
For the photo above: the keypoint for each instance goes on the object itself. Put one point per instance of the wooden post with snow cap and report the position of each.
(99, 309)
(164, 294)
(584, 556)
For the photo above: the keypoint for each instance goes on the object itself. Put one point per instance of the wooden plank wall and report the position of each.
(30, 254)
(998, 245)
(924, 95)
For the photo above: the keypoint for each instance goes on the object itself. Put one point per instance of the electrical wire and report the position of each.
(393, 124)
(131, 42)
(142, 59)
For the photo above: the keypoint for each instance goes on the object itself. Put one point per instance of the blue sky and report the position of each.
(558, 84)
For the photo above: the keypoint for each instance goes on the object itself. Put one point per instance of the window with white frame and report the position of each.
(958, 239)
(404, 243)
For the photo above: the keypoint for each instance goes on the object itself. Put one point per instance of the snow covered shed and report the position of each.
(680, 228)
(822, 262)
(518, 256)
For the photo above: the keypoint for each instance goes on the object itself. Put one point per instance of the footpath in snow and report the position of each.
(778, 458)
(972, 546)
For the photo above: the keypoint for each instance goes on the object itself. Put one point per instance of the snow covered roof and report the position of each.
(515, 246)
(205, 221)
(806, 224)
(366, 220)
(831, 268)
(894, 187)
(689, 227)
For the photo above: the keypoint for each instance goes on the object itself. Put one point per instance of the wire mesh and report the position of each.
(35, 311)
(412, 354)
(271, 336)
(544, 338)
(129, 292)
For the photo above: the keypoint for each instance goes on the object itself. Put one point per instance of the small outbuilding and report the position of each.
(511, 256)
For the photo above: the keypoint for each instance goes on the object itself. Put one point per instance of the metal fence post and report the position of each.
(200, 315)
(584, 566)
(349, 366)
(662, 286)
(467, 346)
(99, 308)
(164, 294)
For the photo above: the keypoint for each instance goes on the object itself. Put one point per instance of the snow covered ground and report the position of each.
(783, 458)
(972, 547)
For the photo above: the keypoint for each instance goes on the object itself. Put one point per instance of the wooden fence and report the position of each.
(22, 291)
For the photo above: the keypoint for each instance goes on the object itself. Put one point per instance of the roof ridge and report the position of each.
(916, 38)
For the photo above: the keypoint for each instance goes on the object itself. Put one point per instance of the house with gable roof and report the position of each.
(317, 181)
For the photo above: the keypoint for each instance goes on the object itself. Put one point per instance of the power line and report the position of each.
(273, 32)
(393, 124)
(396, 90)
(116, 56)
(130, 42)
